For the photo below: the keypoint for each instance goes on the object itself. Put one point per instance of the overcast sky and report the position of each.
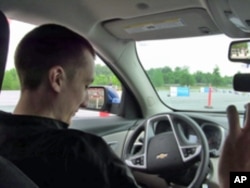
(197, 53)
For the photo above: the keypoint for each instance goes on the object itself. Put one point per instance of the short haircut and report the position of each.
(47, 46)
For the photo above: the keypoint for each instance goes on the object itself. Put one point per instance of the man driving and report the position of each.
(55, 67)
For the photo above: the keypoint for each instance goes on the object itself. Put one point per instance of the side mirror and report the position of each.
(102, 98)
(239, 51)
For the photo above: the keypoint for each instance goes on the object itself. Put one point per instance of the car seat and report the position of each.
(10, 175)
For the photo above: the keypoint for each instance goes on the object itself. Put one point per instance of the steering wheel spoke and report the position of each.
(139, 161)
(190, 152)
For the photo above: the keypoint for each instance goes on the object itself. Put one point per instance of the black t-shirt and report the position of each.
(54, 156)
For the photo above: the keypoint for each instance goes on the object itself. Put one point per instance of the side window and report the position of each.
(104, 79)
(11, 88)
(10, 93)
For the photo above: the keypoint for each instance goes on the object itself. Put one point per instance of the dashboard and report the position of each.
(215, 133)
(215, 136)
(214, 127)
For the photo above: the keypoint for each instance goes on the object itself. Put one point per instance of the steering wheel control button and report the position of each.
(188, 151)
(142, 161)
(139, 161)
(184, 151)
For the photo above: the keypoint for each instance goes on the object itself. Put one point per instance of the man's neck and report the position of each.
(33, 103)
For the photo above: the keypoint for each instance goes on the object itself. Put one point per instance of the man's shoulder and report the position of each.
(77, 134)
(4, 114)
(71, 137)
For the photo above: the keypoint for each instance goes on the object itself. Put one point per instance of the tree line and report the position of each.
(160, 77)
(182, 77)
(103, 76)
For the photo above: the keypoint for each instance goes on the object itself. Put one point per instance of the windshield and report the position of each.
(193, 73)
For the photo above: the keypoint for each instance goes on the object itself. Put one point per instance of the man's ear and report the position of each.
(56, 78)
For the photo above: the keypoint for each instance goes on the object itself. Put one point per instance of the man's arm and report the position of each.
(90, 162)
(119, 174)
(236, 153)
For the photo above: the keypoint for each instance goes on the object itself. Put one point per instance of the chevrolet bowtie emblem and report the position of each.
(161, 156)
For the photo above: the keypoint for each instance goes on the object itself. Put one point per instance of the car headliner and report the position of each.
(86, 15)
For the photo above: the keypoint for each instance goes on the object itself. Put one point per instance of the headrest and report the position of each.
(4, 44)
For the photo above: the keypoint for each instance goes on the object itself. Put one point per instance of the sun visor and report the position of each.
(174, 24)
(231, 16)
(241, 82)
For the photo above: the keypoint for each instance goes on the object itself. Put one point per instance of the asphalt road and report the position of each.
(199, 101)
(195, 101)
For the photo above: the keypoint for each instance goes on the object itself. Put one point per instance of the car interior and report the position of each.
(164, 141)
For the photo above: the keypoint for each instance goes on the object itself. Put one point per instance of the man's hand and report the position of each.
(235, 154)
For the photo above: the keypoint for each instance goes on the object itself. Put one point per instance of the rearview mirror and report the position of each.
(239, 51)
(102, 98)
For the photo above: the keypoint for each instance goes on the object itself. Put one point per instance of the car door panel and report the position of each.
(112, 129)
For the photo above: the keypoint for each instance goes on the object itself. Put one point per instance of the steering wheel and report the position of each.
(171, 146)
